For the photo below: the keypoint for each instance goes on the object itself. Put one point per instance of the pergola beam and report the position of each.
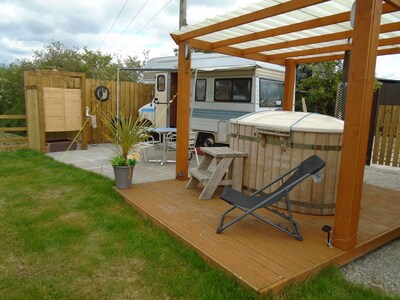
(280, 58)
(338, 18)
(315, 39)
(330, 49)
(248, 18)
(183, 108)
(320, 22)
(290, 85)
(357, 123)
(198, 44)
(315, 59)
(395, 3)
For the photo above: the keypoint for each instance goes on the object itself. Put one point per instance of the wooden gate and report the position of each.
(387, 142)
(12, 137)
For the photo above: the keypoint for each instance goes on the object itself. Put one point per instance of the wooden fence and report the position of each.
(131, 97)
(13, 138)
(386, 148)
(40, 89)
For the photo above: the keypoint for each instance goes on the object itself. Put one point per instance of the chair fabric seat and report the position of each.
(250, 203)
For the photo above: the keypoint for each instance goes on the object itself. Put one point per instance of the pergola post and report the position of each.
(183, 111)
(290, 85)
(356, 128)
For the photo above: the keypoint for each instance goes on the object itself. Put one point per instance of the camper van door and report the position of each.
(161, 101)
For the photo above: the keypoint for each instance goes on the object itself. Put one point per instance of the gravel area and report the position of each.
(379, 269)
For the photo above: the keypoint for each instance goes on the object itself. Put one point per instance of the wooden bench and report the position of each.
(212, 178)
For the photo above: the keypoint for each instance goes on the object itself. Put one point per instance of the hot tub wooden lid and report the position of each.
(287, 121)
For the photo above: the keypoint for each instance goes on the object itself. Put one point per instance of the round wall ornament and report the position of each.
(102, 93)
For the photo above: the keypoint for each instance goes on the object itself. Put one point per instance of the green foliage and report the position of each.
(56, 56)
(318, 83)
(12, 97)
(125, 133)
(118, 160)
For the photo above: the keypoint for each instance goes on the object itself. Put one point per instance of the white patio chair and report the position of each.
(192, 145)
(171, 141)
(145, 146)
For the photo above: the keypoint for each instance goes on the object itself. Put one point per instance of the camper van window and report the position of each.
(271, 93)
(233, 90)
(200, 94)
(160, 83)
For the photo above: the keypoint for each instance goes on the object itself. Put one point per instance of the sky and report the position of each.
(122, 27)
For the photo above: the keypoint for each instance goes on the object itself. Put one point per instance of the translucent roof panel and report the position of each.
(269, 28)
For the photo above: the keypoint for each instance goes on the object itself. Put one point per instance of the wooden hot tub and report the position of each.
(276, 141)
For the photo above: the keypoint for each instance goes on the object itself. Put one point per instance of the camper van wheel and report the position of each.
(207, 140)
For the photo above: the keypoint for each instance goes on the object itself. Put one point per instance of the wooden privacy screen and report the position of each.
(62, 109)
(54, 103)
(386, 149)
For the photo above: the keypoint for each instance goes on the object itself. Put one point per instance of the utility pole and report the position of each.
(182, 13)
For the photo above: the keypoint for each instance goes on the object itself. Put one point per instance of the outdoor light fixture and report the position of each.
(328, 230)
(187, 51)
(353, 14)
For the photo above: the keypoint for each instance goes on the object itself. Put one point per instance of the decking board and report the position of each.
(259, 255)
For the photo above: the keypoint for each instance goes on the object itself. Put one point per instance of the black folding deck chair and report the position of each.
(250, 203)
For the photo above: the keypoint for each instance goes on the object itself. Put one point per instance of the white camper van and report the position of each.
(222, 88)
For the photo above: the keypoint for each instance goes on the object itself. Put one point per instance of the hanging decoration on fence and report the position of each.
(102, 93)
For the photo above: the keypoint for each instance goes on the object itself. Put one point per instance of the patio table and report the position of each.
(162, 133)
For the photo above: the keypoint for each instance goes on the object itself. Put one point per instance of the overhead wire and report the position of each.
(130, 22)
(109, 30)
(141, 29)
(119, 14)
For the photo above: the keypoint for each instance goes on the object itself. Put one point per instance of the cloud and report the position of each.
(31, 25)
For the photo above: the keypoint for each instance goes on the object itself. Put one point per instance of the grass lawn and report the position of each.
(66, 234)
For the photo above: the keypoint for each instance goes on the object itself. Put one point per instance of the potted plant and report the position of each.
(125, 133)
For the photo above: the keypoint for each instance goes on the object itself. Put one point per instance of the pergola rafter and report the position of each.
(236, 46)
(251, 17)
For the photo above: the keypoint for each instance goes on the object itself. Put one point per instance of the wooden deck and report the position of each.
(259, 255)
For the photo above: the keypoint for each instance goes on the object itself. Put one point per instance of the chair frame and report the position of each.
(270, 199)
(192, 146)
(145, 146)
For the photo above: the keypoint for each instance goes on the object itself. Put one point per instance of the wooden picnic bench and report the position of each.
(211, 178)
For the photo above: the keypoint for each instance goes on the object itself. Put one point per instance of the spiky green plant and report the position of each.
(125, 133)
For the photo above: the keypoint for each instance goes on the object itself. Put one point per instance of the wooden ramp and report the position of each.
(259, 255)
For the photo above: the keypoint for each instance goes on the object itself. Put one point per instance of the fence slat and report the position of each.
(13, 147)
(385, 133)
(13, 140)
(378, 134)
(391, 135)
(387, 144)
(12, 117)
(396, 150)
(12, 129)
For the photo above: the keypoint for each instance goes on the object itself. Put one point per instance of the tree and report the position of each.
(56, 56)
(318, 83)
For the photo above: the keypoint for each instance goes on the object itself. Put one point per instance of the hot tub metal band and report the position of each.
(275, 142)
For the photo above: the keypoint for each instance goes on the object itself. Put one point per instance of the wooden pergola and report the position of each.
(296, 32)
